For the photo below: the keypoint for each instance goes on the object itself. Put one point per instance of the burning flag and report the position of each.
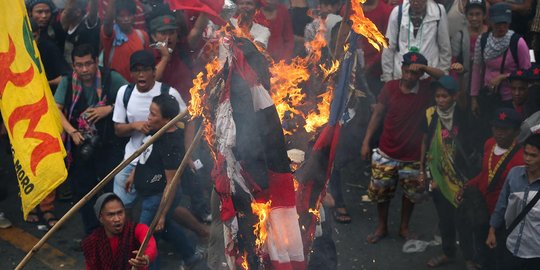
(315, 172)
(251, 172)
(28, 109)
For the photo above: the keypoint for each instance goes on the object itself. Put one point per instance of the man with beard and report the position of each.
(401, 105)
(111, 246)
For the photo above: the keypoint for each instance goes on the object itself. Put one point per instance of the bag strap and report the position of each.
(514, 48)
(460, 55)
(500, 170)
(523, 213)
(127, 95)
(164, 88)
(399, 16)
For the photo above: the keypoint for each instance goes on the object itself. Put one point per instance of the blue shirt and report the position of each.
(524, 240)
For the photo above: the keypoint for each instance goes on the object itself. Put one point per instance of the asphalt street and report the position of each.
(353, 252)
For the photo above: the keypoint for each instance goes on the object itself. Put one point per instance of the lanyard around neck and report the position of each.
(421, 30)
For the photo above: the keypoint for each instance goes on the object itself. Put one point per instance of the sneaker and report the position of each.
(4, 222)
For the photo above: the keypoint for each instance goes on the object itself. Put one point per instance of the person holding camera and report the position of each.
(86, 99)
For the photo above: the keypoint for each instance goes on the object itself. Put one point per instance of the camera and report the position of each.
(89, 146)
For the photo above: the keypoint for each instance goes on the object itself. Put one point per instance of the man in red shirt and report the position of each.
(401, 104)
(114, 245)
(277, 19)
(503, 145)
(119, 38)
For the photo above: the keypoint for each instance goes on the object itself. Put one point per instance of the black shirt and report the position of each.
(53, 60)
(165, 154)
(85, 33)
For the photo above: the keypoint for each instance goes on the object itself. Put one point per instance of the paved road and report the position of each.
(353, 251)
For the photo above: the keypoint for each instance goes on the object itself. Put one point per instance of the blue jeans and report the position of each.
(128, 198)
(173, 232)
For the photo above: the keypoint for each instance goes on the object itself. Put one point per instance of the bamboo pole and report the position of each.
(96, 189)
(167, 195)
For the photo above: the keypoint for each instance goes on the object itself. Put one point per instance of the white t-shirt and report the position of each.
(138, 109)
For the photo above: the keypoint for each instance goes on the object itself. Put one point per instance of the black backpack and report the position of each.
(513, 45)
(400, 16)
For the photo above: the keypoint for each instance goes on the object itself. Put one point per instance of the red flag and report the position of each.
(211, 8)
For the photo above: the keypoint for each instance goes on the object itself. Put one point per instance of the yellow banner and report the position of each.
(28, 109)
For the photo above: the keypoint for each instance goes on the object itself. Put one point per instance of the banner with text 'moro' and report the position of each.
(28, 109)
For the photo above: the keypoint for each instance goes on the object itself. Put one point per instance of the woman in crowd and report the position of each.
(443, 156)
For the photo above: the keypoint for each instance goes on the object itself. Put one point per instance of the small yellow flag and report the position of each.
(28, 109)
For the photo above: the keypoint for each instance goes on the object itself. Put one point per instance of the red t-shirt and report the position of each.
(402, 133)
(122, 53)
(379, 16)
(281, 41)
(481, 180)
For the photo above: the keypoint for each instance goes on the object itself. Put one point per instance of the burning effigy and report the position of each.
(269, 216)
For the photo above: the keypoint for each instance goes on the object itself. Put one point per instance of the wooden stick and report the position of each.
(167, 195)
(97, 188)
(344, 29)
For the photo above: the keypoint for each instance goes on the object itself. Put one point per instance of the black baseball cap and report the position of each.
(500, 13)
(533, 73)
(506, 118)
(142, 58)
(519, 74)
(414, 58)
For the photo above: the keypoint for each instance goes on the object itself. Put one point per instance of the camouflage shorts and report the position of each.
(385, 175)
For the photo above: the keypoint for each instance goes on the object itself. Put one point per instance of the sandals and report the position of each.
(439, 261)
(343, 218)
(33, 217)
(50, 218)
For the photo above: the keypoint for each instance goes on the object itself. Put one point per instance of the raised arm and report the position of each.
(108, 19)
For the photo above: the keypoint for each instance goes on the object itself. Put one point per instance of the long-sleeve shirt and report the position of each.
(493, 69)
(431, 38)
(481, 180)
(524, 240)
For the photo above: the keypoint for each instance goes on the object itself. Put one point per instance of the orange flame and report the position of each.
(199, 97)
(329, 71)
(315, 212)
(285, 92)
(244, 264)
(296, 184)
(262, 210)
(318, 118)
(314, 47)
(363, 26)
(197, 91)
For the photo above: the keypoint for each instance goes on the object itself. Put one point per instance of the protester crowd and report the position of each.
(449, 110)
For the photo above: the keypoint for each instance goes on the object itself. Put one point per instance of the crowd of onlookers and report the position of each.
(448, 109)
